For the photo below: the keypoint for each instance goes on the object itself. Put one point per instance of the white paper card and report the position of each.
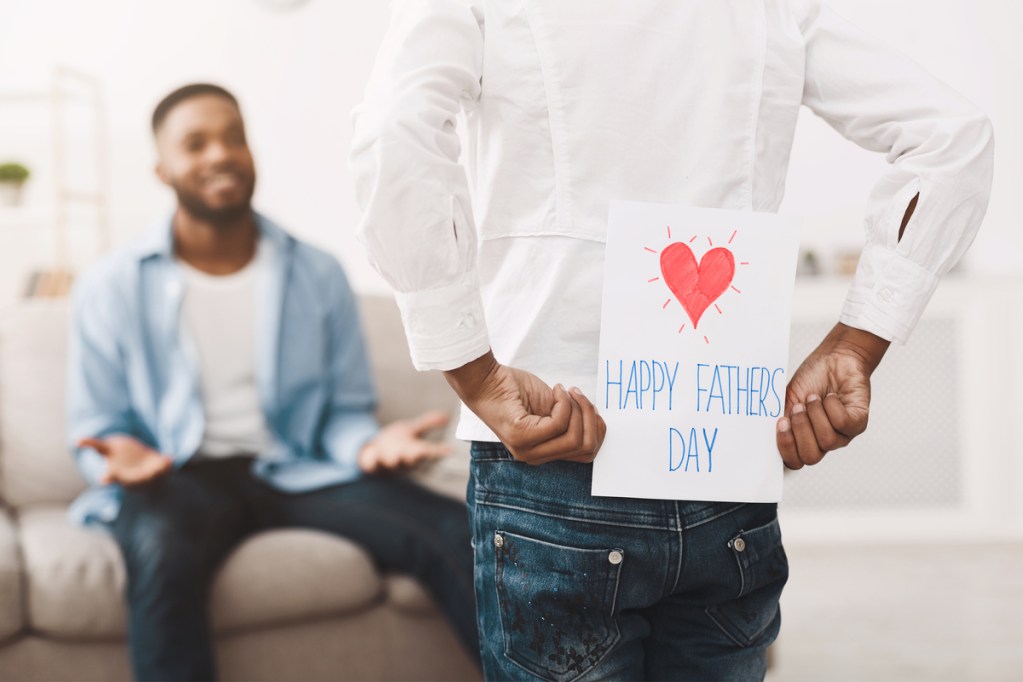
(694, 344)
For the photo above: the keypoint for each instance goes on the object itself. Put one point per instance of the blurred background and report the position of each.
(906, 550)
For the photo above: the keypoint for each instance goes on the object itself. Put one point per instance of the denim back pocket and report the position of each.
(557, 605)
(763, 571)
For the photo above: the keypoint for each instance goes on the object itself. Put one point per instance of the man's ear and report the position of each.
(161, 174)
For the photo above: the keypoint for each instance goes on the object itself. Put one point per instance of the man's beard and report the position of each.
(218, 216)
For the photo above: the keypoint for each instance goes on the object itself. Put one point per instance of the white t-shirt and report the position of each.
(219, 313)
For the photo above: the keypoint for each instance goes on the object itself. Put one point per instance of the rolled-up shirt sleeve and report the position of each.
(941, 150)
(417, 226)
(98, 400)
(350, 421)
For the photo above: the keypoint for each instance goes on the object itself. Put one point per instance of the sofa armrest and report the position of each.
(12, 617)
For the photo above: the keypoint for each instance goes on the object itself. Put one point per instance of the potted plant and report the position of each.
(12, 177)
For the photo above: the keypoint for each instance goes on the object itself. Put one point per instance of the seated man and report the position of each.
(219, 386)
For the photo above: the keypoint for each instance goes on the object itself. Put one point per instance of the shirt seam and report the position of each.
(562, 201)
(758, 81)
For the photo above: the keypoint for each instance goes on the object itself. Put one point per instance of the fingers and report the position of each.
(588, 427)
(150, 469)
(368, 458)
(96, 444)
(374, 459)
(153, 468)
(423, 452)
(787, 444)
(165, 466)
(538, 423)
(532, 430)
(825, 433)
(565, 444)
(387, 458)
(815, 428)
(581, 440)
(849, 421)
(428, 421)
(594, 428)
(806, 442)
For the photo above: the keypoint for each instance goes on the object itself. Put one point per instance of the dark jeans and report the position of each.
(175, 532)
(575, 587)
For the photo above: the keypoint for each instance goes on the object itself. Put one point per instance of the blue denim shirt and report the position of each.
(132, 367)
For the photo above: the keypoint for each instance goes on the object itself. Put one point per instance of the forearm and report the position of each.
(467, 379)
(867, 347)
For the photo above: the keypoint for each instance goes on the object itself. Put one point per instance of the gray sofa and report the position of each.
(286, 605)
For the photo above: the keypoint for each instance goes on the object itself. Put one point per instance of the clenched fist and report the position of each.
(537, 423)
(828, 398)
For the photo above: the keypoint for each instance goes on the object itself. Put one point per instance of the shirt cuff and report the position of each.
(446, 327)
(346, 435)
(91, 464)
(888, 294)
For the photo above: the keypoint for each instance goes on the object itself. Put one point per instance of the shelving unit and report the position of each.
(70, 93)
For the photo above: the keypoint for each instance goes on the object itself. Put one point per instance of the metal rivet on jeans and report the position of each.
(498, 540)
(615, 557)
(739, 545)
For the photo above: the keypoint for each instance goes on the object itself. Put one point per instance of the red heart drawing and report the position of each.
(696, 286)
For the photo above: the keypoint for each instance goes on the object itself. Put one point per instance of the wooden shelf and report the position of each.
(68, 89)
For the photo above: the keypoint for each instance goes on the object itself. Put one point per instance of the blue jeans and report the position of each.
(575, 587)
(175, 532)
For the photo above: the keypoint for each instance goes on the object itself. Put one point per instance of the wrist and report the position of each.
(468, 379)
(366, 456)
(869, 348)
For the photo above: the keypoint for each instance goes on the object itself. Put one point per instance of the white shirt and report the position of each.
(572, 103)
(218, 313)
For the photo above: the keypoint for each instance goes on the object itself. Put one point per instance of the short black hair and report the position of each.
(183, 93)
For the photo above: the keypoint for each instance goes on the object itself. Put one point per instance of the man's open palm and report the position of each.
(129, 461)
(402, 444)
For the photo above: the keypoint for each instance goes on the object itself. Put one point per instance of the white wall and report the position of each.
(299, 74)
(974, 46)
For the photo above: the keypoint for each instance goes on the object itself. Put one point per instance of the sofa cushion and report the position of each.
(35, 466)
(11, 617)
(76, 579)
(74, 576)
(406, 594)
(292, 575)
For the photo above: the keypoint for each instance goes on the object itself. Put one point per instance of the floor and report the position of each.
(899, 613)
